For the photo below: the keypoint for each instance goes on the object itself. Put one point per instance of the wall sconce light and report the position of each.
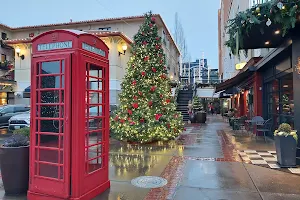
(171, 77)
(18, 50)
(124, 47)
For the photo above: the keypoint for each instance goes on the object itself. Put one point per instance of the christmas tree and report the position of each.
(147, 111)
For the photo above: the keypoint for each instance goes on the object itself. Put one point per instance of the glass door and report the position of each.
(96, 127)
(51, 95)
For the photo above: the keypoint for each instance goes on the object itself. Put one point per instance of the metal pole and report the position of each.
(194, 74)
(199, 69)
(208, 73)
(189, 72)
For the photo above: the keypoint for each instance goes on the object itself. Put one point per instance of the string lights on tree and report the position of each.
(147, 111)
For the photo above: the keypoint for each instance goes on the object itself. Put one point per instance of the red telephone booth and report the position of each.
(69, 116)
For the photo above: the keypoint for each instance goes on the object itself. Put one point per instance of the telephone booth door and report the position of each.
(96, 122)
(50, 155)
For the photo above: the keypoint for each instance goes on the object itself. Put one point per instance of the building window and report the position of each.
(280, 100)
(3, 36)
(104, 29)
(255, 2)
(3, 57)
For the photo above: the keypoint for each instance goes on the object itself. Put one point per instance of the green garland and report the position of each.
(283, 13)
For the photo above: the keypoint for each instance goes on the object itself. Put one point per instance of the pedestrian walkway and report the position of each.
(256, 151)
(202, 164)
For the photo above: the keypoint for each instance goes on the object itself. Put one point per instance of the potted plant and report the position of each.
(286, 142)
(14, 158)
(200, 115)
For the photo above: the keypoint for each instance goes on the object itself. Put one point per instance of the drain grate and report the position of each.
(149, 182)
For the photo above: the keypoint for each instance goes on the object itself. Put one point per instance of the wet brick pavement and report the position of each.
(203, 164)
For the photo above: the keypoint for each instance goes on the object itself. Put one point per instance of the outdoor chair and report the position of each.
(264, 128)
(239, 124)
(254, 122)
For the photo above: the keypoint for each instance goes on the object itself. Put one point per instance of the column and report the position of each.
(115, 71)
(258, 95)
(296, 88)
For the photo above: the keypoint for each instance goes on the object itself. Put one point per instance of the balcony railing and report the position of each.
(7, 70)
(6, 65)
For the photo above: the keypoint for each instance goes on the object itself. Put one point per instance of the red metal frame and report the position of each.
(69, 142)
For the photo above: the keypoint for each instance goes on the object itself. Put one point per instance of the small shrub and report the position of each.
(197, 106)
(23, 131)
(19, 138)
(284, 127)
(286, 130)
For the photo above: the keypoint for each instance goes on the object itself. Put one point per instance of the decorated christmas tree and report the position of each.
(147, 111)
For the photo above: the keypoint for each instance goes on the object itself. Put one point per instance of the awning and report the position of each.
(26, 92)
(247, 71)
(27, 89)
(224, 95)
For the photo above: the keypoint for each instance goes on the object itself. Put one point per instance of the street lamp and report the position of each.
(18, 51)
(124, 47)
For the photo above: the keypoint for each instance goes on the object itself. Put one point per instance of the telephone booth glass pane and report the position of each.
(94, 118)
(50, 120)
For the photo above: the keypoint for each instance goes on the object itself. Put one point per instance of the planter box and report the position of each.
(15, 169)
(286, 151)
(200, 117)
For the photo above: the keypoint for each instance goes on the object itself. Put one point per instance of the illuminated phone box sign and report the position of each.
(55, 46)
(93, 49)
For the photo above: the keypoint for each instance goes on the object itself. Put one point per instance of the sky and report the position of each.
(199, 18)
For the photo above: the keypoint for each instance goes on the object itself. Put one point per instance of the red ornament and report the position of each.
(122, 121)
(154, 69)
(151, 25)
(176, 116)
(165, 68)
(135, 97)
(163, 76)
(145, 43)
(129, 112)
(168, 125)
(143, 33)
(146, 58)
(143, 73)
(157, 47)
(153, 88)
(140, 93)
(132, 123)
(161, 61)
(129, 119)
(157, 116)
(153, 19)
(142, 120)
(168, 100)
(150, 103)
(160, 55)
(117, 118)
(135, 105)
(157, 38)
(184, 129)
(134, 82)
(161, 96)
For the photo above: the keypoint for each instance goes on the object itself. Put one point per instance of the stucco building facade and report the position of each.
(115, 32)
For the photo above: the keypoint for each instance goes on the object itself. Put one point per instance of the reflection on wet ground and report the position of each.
(201, 164)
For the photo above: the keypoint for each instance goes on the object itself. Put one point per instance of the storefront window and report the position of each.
(3, 98)
(280, 101)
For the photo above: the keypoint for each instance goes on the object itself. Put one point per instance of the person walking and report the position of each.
(190, 110)
(212, 109)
